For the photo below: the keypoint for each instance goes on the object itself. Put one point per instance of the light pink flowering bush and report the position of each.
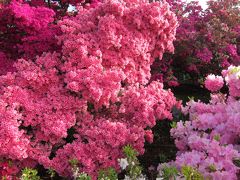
(232, 76)
(94, 97)
(209, 141)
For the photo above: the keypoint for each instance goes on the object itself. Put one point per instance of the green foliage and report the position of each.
(169, 172)
(236, 162)
(108, 174)
(162, 158)
(90, 107)
(191, 98)
(10, 163)
(83, 176)
(134, 170)
(173, 124)
(75, 170)
(212, 168)
(235, 70)
(129, 152)
(29, 174)
(191, 174)
(51, 173)
(217, 137)
(73, 162)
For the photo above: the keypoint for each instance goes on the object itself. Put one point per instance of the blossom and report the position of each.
(90, 97)
(123, 163)
(126, 37)
(149, 136)
(214, 83)
(232, 76)
(208, 142)
(205, 55)
(206, 39)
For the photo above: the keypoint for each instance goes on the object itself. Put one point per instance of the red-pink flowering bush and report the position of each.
(26, 31)
(28, 28)
(8, 170)
(206, 41)
(89, 100)
(128, 41)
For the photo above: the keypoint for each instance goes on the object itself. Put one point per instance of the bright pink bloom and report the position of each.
(214, 83)
(204, 55)
(149, 136)
(96, 86)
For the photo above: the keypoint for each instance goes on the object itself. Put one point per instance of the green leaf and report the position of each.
(212, 168)
(51, 173)
(173, 124)
(191, 173)
(29, 174)
(217, 137)
(236, 162)
(129, 151)
(169, 172)
(108, 174)
(73, 162)
(83, 176)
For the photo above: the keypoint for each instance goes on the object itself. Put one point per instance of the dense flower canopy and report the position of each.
(209, 141)
(81, 88)
(207, 41)
(26, 31)
(96, 85)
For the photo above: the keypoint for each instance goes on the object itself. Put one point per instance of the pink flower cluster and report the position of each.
(204, 55)
(8, 170)
(214, 83)
(89, 100)
(5, 64)
(26, 31)
(232, 77)
(209, 141)
(206, 40)
(125, 39)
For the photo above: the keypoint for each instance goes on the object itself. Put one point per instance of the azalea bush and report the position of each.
(79, 88)
(209, 141)
(29, 28)
(82, 94)
(207, 41)
(26, 31)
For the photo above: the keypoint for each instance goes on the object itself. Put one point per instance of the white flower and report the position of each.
(123, 163)
(127, 177)
(75, 173)
(142, 177)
